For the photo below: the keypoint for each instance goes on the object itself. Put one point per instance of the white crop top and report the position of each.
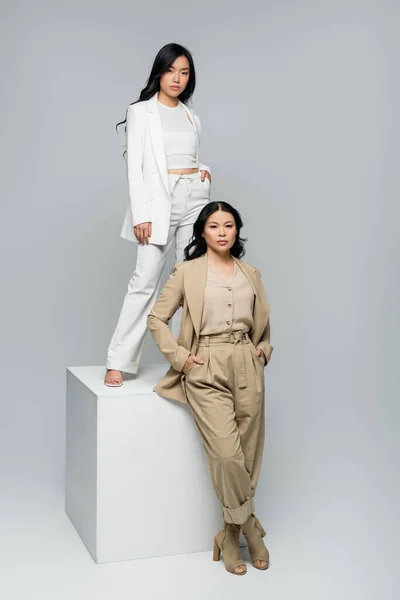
(180, 137)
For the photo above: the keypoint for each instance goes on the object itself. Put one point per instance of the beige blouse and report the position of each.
(228, 305)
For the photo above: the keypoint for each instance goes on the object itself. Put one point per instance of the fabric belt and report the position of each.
(233, 337)
(186, 177)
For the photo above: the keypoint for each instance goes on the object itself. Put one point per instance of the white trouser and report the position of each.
(188, 196)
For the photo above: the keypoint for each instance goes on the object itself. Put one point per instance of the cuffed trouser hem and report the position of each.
(238, 515)
(129, 367)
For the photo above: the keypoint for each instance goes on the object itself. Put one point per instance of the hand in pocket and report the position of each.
(191, 359)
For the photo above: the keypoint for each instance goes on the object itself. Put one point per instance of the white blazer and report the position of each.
(149, 197)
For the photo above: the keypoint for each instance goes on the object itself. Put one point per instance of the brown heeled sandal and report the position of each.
(227, 542)
(254, 532)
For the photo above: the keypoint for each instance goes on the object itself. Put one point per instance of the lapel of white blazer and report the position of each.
(157, 138)
(195, 279)
(192, 120)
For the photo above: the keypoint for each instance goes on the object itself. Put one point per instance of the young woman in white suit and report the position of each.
(168, 187)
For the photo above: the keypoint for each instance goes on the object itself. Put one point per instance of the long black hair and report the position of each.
(162, 62)
(198, 246)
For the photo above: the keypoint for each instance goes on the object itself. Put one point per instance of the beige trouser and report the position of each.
(226, 397)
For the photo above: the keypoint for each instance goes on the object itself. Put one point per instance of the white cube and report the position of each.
(137, 481)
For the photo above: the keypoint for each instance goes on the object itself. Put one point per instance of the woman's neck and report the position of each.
(219, 258)
(167, 100)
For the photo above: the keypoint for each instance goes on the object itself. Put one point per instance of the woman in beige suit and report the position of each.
(217, 367)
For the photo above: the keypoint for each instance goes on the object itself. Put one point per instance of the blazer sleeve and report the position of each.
(198, 127)
(166, 306)
(265, 341)
(135, 137)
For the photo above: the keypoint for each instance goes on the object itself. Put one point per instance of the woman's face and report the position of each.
(175, 80)
(220, 231)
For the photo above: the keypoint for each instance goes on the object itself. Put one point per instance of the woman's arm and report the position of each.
(264, 343)
(157, 321)
(135, 136)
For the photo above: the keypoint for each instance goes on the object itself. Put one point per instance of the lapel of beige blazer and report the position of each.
(194, 281)
(261, 308)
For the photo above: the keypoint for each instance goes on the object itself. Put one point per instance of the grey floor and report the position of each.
(43, 557)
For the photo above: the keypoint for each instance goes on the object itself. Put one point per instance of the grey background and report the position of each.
(299, 108)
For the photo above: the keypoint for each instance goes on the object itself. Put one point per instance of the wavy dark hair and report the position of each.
(198, 246)
(162, 62)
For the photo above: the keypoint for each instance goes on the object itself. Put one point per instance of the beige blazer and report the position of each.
(185, 287)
